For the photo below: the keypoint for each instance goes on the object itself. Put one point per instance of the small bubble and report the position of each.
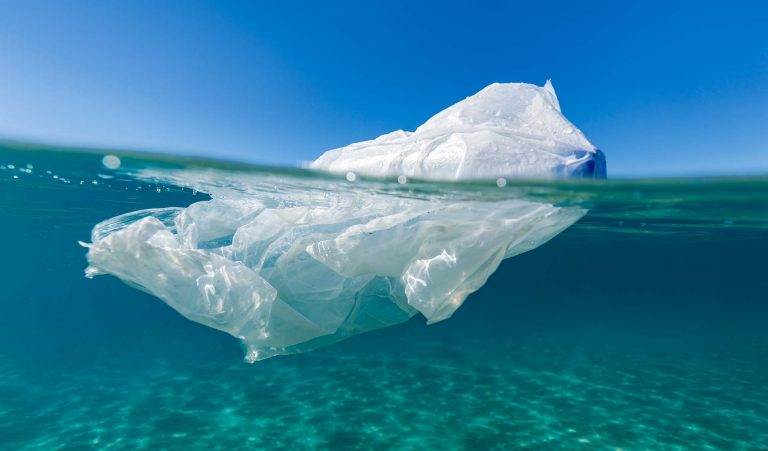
(157, 190)
(111, 162)
(95, 182)
(401, 179)
(11, 166)
(15, 176)
(501, 182)
(351, 177)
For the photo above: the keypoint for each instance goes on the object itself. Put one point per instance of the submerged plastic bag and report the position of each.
(290, 263)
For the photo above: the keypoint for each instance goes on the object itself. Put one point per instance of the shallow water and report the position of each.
(643, 326)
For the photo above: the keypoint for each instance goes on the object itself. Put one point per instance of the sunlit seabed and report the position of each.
(640, 327)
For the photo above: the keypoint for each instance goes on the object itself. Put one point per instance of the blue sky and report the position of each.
(664, 88)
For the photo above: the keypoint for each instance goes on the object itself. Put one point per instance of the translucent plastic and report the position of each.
(512, 130)
(290, 264)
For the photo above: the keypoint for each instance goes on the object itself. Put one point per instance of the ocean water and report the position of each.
(642, 326)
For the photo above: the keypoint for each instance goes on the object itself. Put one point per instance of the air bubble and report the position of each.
(111, 162)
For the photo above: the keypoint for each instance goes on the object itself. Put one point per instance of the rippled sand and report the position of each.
(449, 395)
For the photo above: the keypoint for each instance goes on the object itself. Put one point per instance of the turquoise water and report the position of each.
(643, 326)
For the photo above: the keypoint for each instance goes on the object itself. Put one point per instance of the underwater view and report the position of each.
(611, 314)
